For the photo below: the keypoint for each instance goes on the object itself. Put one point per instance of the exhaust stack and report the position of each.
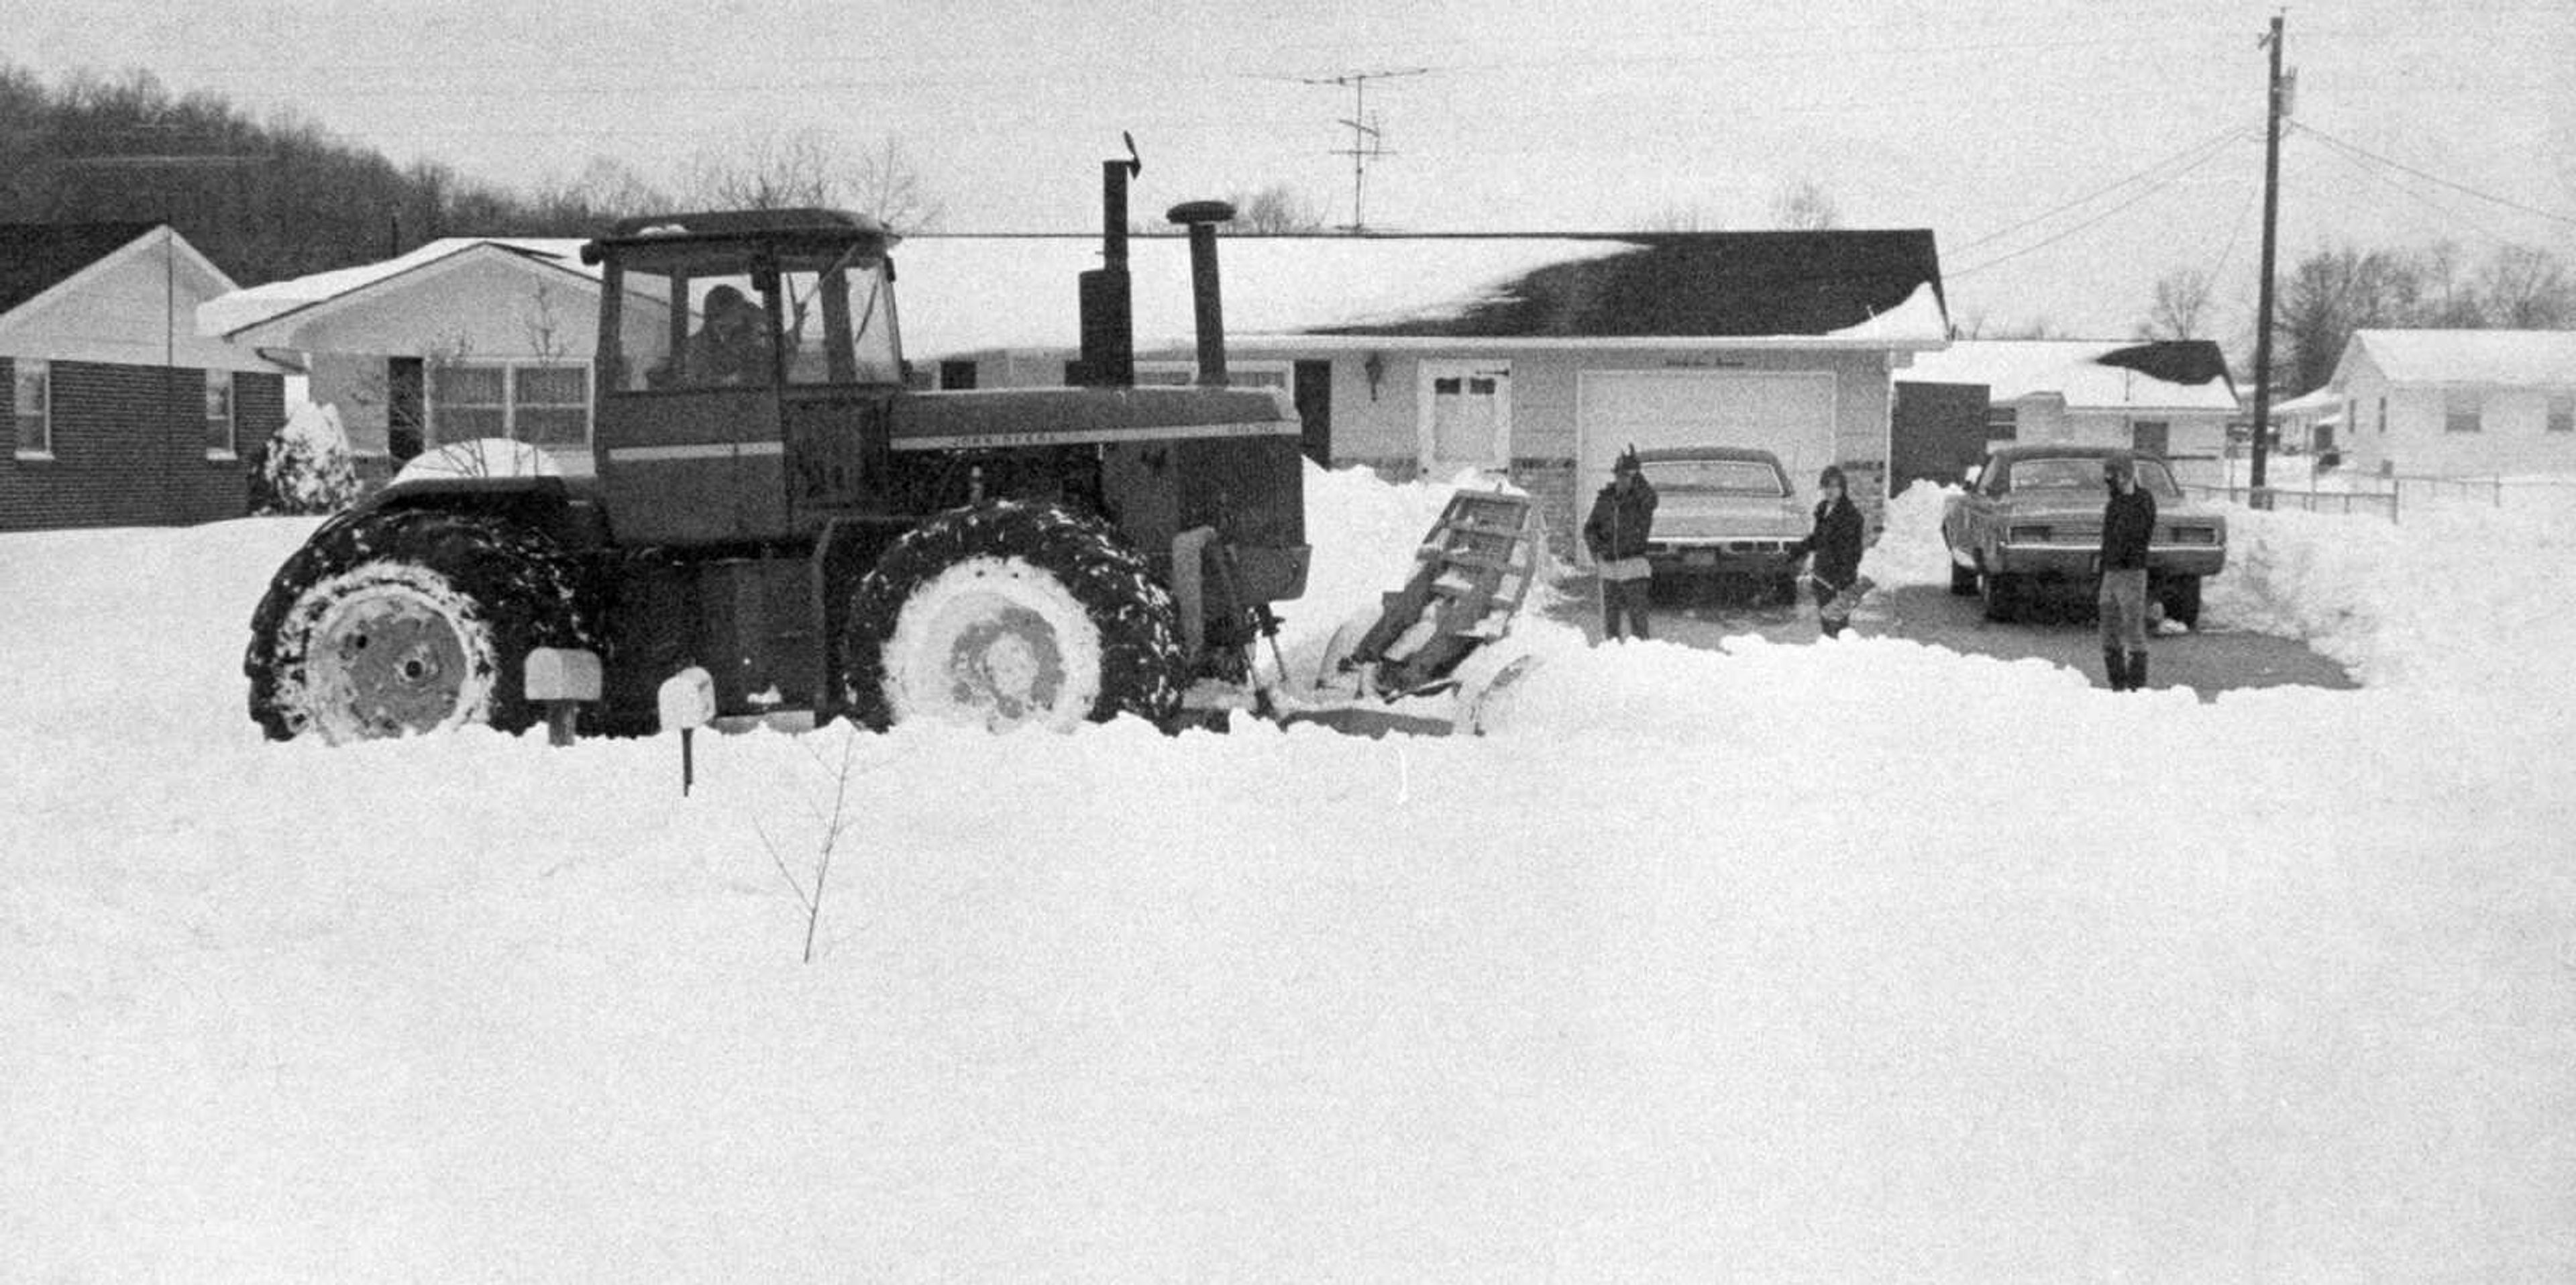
(1108, 310)
(1206, 298)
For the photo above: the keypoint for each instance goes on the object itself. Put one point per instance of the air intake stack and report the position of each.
(1206, 298)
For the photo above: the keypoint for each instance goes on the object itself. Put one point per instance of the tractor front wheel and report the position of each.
(1009, 615)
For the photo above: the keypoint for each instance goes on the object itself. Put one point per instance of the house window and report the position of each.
(35, 407)
(2383, 415)
(2151, 437)
(2562, 413)
(2460, 412)
(2003, 423)
(550, 405)
(541, 404)
(219, 414)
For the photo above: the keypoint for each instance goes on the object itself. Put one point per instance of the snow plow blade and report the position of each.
(1471, 573)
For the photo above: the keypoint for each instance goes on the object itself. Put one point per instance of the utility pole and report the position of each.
(2263, 290)
(1367, 143)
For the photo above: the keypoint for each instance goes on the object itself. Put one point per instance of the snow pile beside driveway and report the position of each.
(2460, 597)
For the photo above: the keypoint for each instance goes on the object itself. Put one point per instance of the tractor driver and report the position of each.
(732, 344)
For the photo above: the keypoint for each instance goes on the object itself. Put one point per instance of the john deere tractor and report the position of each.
(773, 505)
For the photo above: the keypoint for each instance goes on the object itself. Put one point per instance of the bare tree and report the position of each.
(1804, 206)
(1275, 210)
(1979, 324)
(2523, 288)
(606, 189)
(1684, 217)
(890, 186)
(809, 167)
(2181, 306)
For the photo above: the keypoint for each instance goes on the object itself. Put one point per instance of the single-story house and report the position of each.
(1536, 358)
(2458, 403)
(2310, 422)
(122, 413)
(2169, 397)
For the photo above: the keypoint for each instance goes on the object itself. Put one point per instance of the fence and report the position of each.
(2402, 490)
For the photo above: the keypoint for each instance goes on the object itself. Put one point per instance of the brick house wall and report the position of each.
(129, 449)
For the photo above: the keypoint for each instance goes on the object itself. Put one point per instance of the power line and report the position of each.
(2200, 149)
(2041, 245)
(2340, 145)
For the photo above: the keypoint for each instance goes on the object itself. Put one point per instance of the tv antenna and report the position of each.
(1368, 142)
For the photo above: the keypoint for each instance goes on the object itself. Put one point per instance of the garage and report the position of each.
(1790, 414)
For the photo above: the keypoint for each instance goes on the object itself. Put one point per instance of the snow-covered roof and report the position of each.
(968, 294)
(257, 305)
(2089, 374)
(2309, 403)
(2545, 357)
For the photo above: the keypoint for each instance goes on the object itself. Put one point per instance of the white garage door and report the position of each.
(1790, 415)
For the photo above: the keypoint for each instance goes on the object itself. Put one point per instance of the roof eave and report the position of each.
(1593, 343)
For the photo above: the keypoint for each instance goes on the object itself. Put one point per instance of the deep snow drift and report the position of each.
(1860, 960)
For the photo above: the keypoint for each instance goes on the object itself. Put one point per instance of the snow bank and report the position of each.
(1848, 960)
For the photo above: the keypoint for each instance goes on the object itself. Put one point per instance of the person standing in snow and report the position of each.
(1623, 517)
(2128, 523)
(1836, 545)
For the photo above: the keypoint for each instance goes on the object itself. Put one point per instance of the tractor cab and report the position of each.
(742, 357)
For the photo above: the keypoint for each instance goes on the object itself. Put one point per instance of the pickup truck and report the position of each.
(1723, 511)
(2031, 520)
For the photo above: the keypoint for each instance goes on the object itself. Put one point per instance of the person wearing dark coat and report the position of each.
(1623, 519)
(1836, 545)
(2128, 524)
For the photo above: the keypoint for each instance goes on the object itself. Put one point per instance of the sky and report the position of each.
(2065, 154)
(1706, 963)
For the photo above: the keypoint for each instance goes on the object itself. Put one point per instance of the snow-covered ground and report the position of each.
(1858, 960)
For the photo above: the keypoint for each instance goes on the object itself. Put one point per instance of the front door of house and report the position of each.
(1464, 417)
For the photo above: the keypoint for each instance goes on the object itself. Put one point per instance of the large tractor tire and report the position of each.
(1010, 615)
(391, 624)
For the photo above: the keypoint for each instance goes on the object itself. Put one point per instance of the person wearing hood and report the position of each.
(1836, 545)
(1623, 518)
(2128, 524)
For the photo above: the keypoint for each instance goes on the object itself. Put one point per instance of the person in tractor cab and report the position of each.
(1623, 517)
(732, 344)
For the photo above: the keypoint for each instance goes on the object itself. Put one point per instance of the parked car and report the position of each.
(2030, 522)
(1723, 511)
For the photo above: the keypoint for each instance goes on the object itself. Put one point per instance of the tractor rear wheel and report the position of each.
(389, 624)
(1010, 614)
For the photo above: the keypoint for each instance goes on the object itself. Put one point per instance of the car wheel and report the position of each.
(2000, 595)
(2182, 601)
(1963, 580)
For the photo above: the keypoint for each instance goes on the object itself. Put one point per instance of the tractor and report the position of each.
(777, 507)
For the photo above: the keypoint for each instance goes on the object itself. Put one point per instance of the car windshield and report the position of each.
(2084, 473)
(1717, 477)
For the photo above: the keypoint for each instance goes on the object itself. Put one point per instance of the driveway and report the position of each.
(2208, 661)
